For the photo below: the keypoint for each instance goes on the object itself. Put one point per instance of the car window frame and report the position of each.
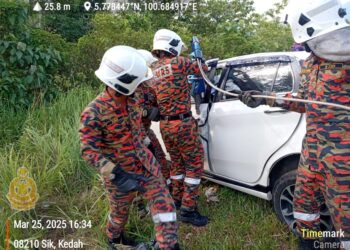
(290, 64)
(222, 82)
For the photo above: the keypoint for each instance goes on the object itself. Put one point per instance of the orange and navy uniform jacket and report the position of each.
(324, 167)
(112, 134)
(325, 81)
(171, 85)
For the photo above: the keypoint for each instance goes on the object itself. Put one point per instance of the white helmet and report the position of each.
(168, 41)
(313, 18)
(123, 69)
(149, 58)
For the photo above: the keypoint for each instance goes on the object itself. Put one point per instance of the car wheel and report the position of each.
(283, 194)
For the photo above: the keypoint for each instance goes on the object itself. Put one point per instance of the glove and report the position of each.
(152, 114)
(247, 99)
(127, 182)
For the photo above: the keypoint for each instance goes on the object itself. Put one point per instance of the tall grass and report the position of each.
(11, 121)
(49, 148)
(48, 145)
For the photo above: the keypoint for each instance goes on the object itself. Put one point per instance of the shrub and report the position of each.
(108, 31)
(46, 39)
(26, 71)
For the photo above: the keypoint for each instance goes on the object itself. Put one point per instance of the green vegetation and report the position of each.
(26, 71)
(47, 79)
(69, 189)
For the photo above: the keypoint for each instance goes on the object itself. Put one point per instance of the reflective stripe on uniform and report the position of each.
(111, 221)
(177, 177)
(305, 216)
(164, 217)
(193, 181)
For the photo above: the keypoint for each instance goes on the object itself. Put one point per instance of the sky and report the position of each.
(263, 5)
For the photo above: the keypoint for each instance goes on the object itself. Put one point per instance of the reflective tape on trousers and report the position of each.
(177, 177)
(164, 217)
(193, 181)
(305, 216)
(110, 220)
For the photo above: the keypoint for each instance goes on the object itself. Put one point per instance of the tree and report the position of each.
(72, 24)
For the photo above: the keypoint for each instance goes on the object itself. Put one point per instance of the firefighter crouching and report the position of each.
(111, 141)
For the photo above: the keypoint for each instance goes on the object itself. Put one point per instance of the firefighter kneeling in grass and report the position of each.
(324, 28)
(111, 140)
(178, 127)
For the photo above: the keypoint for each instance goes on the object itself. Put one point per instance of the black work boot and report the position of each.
(306, 244)
(177, 204)
(175, 247)
(121, 240)
(193, 217)
(114, 246)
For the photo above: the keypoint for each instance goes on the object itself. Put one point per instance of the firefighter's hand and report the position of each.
(152, 114)
(247, 98)
(127, 182)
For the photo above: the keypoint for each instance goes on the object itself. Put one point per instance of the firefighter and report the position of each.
(151, 112)
(111, 141)
(178, 128)
(323, 27)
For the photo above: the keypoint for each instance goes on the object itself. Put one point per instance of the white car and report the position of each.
(255, 151)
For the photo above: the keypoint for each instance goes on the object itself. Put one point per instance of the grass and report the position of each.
(46, 142)
(11, 124)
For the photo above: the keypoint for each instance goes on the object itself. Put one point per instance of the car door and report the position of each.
(241, 139)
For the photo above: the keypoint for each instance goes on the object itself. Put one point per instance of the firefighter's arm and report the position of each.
(192, 68)
(91, 141)
(248, 98)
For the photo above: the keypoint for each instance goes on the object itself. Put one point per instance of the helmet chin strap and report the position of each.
(162, 54)
(118, 97)
(207, 80)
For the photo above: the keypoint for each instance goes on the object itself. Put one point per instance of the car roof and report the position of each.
(299, 55)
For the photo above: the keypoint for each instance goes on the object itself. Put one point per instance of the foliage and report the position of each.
(11, 121)
(72, 24)
(69, 189)
(26, 71)
(225, 28)
(37, 64)
(272, 36)
(270, 33)
(109, 30)
(40, 37)
(13, 17)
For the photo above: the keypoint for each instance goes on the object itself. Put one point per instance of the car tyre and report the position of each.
(282, 198)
